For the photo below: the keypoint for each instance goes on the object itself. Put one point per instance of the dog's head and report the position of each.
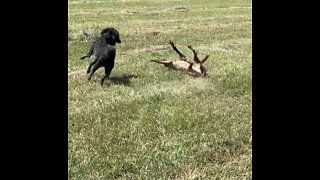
(199, 68)
(111, 35)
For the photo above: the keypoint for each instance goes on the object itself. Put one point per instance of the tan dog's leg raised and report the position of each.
(182, 56)
(195, 58)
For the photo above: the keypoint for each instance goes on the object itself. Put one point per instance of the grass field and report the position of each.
(148, 122)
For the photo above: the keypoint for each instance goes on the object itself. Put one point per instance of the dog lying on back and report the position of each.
(103, 51)
(195, 68)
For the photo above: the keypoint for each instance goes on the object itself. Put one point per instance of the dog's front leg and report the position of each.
(195, 54)
(204, 59)
(107, 70)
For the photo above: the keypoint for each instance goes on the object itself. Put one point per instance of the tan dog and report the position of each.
(195, 68)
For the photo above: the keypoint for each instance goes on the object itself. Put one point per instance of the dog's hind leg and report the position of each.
(93, 69)
(195, 58)
(107, 70)
(91, 64)
(182, 56)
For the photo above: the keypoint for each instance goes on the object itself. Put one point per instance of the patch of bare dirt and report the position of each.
(155, 11)
(180, 9)
(129, 12)
(76, 74)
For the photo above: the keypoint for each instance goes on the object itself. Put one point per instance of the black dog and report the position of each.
(104, 52)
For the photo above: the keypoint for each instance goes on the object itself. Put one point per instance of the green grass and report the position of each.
(149, 122)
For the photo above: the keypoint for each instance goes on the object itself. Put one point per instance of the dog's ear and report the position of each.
(106, 33)
(109, 37)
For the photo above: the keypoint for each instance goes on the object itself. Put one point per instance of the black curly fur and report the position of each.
(104, 52)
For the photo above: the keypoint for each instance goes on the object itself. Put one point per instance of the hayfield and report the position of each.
(149, 122)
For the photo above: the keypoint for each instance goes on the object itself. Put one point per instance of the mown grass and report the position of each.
(149, 122)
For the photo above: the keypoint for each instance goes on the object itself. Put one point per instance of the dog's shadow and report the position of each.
(122, 80)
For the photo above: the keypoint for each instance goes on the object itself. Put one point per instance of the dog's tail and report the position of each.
(83, 57)
(89, 54)
(156, 61)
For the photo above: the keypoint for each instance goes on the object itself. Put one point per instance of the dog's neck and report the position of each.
(113, 43)
(108, 42)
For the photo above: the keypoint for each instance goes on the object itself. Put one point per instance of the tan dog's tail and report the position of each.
(155, 61)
